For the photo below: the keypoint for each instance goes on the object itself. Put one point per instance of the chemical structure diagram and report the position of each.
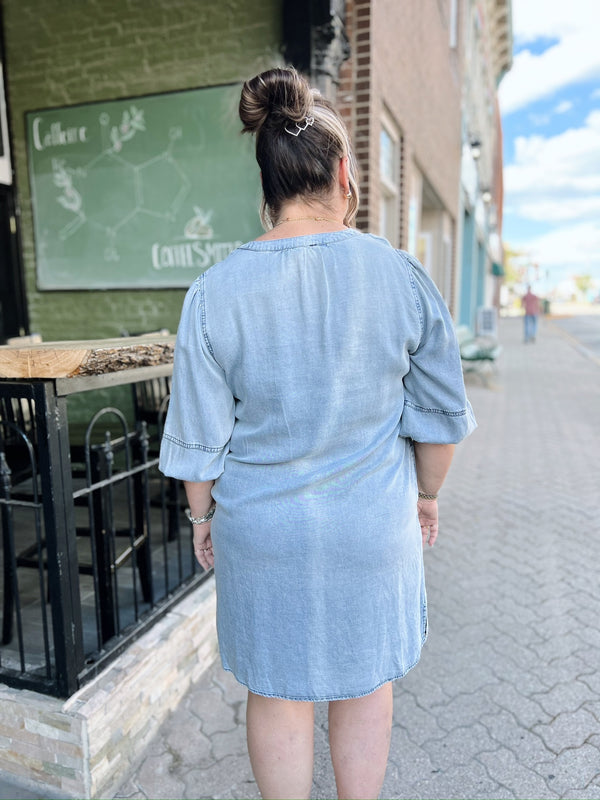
(111, 190)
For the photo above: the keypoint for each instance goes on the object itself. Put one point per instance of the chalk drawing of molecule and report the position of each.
(111, 190)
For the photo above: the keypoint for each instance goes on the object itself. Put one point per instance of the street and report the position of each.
(584, 328)
(505, 702)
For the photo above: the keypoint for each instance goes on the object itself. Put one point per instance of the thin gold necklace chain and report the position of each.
(305, 219)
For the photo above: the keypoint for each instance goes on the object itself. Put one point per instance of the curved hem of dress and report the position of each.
(327, 698)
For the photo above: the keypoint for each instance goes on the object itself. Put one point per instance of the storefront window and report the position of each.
(389, 177)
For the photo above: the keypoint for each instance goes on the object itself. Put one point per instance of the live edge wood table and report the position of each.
(88, 358)
(48, 373)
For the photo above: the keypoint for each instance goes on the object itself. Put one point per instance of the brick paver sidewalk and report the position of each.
(506, 700)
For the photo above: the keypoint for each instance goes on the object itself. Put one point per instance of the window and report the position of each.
(389, 181)
(5, 167)
(453, 24)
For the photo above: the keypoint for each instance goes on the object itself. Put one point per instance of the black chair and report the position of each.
(17, 416)
(112, 462)
(18, 489)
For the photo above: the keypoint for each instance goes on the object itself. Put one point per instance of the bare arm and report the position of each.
(200, 500)
(433, 462)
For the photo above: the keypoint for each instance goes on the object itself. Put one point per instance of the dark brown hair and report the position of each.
(277, 104)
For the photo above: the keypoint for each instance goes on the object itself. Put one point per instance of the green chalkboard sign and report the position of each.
(140, 193)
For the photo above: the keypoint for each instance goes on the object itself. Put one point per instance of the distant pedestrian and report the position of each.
(317, 396)
(531, 305)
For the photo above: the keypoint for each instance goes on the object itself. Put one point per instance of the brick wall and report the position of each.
(416, 75)
(63, 52)
(84, 746)
(354, 97)
(402, 63)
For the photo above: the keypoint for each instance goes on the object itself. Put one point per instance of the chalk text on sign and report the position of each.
(55, 135)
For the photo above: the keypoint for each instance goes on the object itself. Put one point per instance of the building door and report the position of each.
(13, 307)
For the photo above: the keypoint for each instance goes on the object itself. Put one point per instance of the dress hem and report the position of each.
(326, 698)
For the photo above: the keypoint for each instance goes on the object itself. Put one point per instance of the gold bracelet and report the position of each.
(425, 496)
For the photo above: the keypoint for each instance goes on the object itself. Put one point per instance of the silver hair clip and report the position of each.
(308, 121)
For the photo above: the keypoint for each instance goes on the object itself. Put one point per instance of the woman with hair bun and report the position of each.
(317, 395)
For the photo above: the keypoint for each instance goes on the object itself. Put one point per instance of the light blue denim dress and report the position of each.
(304, 370)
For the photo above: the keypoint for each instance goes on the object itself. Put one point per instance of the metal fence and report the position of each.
(95, 544)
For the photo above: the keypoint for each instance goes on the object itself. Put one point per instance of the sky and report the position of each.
(550, 106)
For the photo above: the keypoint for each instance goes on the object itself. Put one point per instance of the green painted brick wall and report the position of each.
(63, 52)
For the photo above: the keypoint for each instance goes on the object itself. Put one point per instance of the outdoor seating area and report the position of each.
(95, 543)
(481, 350)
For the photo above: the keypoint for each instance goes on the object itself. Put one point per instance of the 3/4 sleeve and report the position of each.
(436, 409)
(201, 410)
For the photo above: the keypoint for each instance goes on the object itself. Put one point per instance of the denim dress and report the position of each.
(304, 370)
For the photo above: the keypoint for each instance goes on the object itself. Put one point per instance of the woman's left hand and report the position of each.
(428, 520)
(203, 548)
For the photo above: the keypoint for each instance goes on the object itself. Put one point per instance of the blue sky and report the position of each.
(550, 104)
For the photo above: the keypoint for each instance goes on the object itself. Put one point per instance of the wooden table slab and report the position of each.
(87, 357)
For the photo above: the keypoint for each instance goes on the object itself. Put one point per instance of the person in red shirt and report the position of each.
(531, 304)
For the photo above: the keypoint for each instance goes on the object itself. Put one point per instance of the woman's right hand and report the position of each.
(428, 520)
(203, 548)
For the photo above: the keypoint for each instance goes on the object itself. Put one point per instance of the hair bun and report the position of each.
(278, 95)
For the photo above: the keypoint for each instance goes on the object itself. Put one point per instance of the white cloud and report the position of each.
(563, 107)
(539, 120)
(555, 211)
(533, 77)
(533, 19)
(571, 248)
(574, 57)
(556, 178)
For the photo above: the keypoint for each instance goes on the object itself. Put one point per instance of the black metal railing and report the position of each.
(95, 545)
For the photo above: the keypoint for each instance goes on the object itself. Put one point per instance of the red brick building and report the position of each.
(417, 91)
(401, 93)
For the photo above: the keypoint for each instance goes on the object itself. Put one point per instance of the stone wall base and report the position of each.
(84, 746)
